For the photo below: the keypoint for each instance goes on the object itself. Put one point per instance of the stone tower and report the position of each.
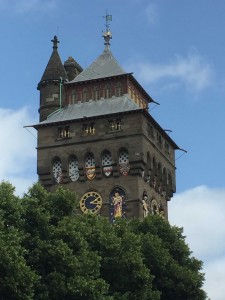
(97, 138)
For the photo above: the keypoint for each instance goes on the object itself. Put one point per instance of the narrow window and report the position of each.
(96, 93)
(124, 162)
(57, 171)
(92, 129)
(85, 129)
(84, 95)
(73, 169)
(67, 132)
(60, 133)
(107, 163)
(90, 166)
(107, 92)
(119, 89)
(74, 97)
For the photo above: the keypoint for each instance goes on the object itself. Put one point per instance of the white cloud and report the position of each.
(200, 211)
(17, 151)
(215, 275)
(152, 13)
(193, 71)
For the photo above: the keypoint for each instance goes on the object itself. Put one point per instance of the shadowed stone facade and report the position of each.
(97, 138)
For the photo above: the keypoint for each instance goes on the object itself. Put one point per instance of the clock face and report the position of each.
(91, 202)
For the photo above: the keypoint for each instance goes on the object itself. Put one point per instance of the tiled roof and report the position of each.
(104, 66)
(91, 109)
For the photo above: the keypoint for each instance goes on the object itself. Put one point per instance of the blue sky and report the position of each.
(176, 50)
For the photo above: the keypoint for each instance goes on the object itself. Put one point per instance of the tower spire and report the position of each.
(107, 35)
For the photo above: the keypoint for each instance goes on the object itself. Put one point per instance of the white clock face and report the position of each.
(57, 171)
(73, 170)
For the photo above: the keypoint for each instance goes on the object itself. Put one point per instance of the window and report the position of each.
(92, 129)
(107, 163)
(115, 125)
(73, 97)
(107, 91)
(159, 140)
(119, 89)
(64, 132)
(90, 166)
(150, 131)
(84, 95)
(96, 93)
(124, 162)
(57, 170)
(167, 148)
(73, 169)
(89, 129)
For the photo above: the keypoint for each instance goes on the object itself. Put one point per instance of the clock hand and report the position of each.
(95, 201)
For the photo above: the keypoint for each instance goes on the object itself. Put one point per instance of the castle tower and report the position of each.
(51, 84)
(102, 142)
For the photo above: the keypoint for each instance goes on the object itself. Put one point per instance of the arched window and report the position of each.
(85, 95)
(73, 169)
(124, 162)
(90, 166)
(107, 163)
(57, 170)
(107, 91)
(119, 89)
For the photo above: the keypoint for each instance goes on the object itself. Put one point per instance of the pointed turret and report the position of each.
(51, 84)
(72, 68)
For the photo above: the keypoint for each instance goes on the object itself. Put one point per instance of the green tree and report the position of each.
(16, 277)
(67, 255)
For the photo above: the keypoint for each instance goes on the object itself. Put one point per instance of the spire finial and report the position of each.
(55, 42)
(107, 35)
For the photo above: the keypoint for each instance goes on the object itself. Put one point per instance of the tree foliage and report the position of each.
(50, 251)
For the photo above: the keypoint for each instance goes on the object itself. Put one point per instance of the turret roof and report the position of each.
(54, 69)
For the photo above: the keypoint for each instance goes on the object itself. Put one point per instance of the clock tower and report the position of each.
(97, 138)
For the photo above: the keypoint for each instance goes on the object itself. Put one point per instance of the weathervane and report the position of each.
(107, 34)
